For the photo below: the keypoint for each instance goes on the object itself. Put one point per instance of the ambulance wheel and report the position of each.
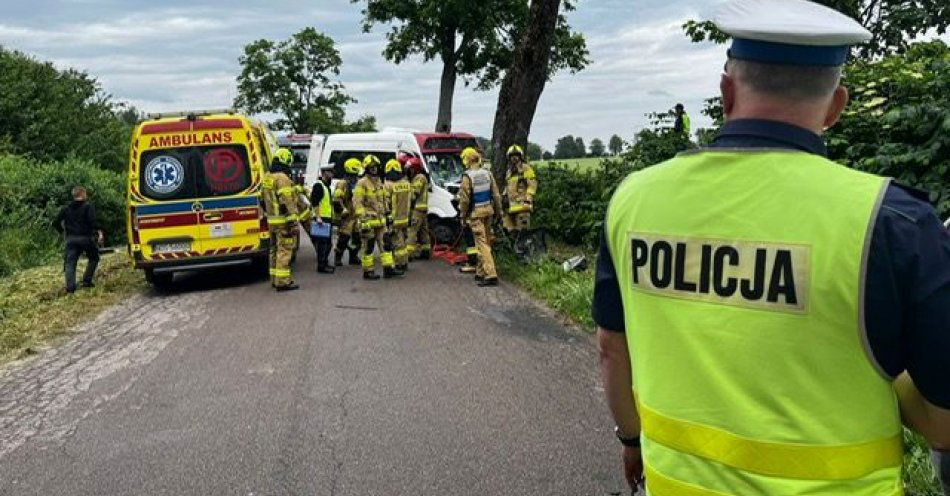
(159, 280)
(444, 231)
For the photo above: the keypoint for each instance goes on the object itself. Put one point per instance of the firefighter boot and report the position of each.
(370, 275)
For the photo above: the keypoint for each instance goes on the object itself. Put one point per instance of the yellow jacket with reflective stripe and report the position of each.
(742, 279)
(369, 199)
(280, 198)
(521, 184)
(400, 199)
(420, 192)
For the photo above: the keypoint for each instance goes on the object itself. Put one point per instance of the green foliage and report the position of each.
(33, 192)
(479, 38)
(920, 478)
(297, 79)
(615, 145)
(597, 148)
(534, 151)
(53, 114)
(588, 190)
(570, 147)
(898, 122)
(894, 24)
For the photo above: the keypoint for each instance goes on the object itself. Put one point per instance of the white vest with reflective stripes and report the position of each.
(481, 187)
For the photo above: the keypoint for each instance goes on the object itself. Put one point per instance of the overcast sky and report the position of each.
(172, 55)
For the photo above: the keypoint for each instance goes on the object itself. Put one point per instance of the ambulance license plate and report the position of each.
(176, 247)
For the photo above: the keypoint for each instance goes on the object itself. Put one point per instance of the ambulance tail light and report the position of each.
(135, 225)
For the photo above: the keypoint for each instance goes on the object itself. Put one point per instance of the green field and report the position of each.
(579, 163)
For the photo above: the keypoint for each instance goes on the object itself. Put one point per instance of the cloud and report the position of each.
(176, 56)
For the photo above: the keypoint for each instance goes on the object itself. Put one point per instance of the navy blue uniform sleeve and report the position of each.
(607, 309)
(316, 195)
(907, 298)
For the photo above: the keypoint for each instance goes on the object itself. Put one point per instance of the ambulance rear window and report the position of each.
(194, 172)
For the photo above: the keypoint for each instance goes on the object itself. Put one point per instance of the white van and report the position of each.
(439, 152)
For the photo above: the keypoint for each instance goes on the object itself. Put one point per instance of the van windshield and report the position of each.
(445, 168)
(194, 172)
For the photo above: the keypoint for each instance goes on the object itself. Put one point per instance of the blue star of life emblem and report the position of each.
(164, 175)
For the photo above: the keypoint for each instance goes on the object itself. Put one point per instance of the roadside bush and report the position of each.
(571, 203)
(32, 193)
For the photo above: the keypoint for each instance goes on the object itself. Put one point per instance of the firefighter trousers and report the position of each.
(376, 239)
(419, 241)
(482, 232)
(399, 236)
(283, 242)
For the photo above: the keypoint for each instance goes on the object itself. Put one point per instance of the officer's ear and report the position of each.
(727, 86)
(838, 103)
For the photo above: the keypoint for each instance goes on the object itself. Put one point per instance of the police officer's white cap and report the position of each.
(795, 32)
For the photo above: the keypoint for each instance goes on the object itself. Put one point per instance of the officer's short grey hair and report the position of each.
(789, 82)
(79, 191)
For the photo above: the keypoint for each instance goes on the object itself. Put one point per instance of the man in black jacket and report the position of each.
(78, 221)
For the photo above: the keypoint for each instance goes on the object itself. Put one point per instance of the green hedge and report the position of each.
(32, 193)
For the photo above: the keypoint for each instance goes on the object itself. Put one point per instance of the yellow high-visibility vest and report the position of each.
(742, 274)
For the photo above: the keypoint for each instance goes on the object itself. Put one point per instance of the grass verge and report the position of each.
(571, 294)
(34, 308)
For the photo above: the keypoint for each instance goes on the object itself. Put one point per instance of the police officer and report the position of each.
(281, 205)
(420, 243)
(343, 206)
(479, 203)
(774, 301)
(320, 198)
(399, 198)
(682, 124)
(521, 185)
(369, 201)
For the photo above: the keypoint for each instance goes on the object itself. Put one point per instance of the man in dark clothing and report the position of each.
(78, 222)
(321, 200)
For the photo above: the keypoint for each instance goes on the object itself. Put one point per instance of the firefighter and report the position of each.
(343, 208)
(399, 198)
(419, 244)
(521, 185)
(280, 202)
(369, 202)
(479, 204)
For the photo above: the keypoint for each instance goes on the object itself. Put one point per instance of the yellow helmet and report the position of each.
(393, 166)
(353, 166)
(470, 156)
(369, 161)
(515, 150)
(284, 156)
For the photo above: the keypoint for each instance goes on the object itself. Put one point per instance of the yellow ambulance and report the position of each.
(194, 193)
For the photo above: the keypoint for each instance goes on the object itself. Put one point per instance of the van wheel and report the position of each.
(159, 280)
(444, 231)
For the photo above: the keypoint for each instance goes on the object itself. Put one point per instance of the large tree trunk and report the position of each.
(443, 123)
(524, 82)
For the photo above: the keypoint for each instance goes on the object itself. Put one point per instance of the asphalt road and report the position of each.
(425, 385)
